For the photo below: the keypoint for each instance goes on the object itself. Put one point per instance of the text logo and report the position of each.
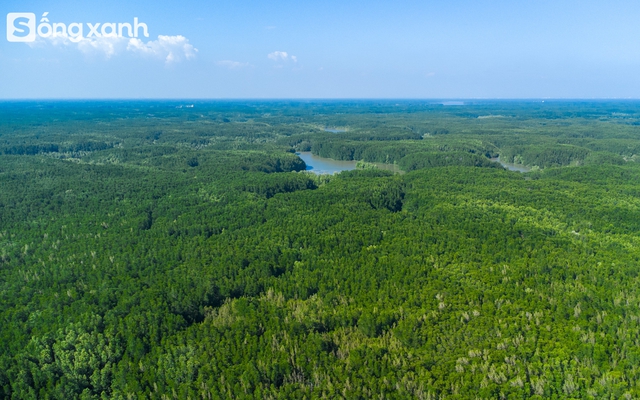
(21, 27)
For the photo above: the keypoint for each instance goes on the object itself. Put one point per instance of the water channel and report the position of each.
(322, 165)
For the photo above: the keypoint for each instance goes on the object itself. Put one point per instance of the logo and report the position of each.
(21, 27)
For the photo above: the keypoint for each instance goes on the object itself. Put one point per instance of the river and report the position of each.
(512, 167)
(321, 165)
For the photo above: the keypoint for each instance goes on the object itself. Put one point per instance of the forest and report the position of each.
(150, 250)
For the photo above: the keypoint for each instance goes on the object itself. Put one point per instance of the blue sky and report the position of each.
(331, 49)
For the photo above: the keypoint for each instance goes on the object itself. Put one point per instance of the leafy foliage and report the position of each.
(186, 253)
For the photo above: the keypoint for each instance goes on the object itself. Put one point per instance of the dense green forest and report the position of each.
(181, 249)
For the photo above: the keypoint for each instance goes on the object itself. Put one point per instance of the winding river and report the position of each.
(512, 167)
(334, 130)
(321, 165)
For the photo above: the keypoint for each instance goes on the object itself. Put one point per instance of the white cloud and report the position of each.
(282, 56)
(278, 55)
(107, 46)
(171, 49)
(232, 64)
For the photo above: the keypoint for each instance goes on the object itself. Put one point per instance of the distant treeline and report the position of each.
(33, 149)
(443, 159)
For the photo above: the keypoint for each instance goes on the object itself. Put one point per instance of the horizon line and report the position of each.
(542, 99)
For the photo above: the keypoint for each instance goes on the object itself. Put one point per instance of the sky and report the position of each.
(323, 49)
